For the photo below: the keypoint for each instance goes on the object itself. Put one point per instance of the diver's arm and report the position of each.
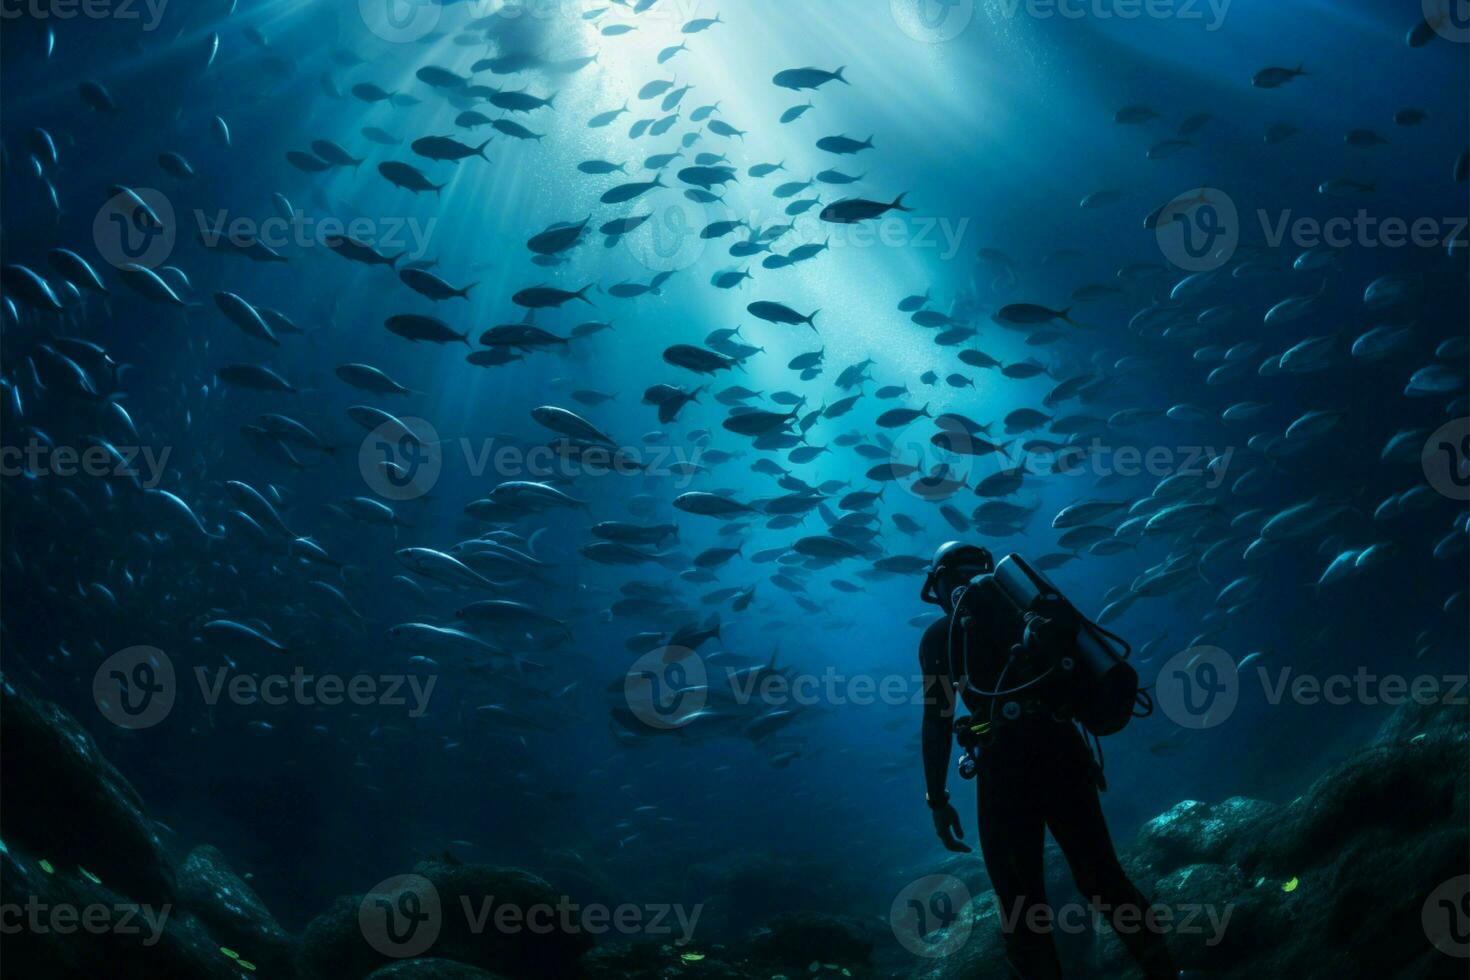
(937, 735)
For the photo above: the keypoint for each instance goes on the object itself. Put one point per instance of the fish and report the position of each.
(1276, 77)
(854, 210)
(844, 145)
(799, 79)
(780, 313)
(444, 148)
(417, 327)
(408, 177)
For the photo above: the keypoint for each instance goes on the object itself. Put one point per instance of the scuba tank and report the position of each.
(1082, 675)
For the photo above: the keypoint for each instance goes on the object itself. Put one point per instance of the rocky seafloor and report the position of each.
(1333, 884)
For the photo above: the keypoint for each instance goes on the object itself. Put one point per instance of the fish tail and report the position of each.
(481, 150)
(465, 292)
(897, 205)
(811, 321)
(581, 294)
(841, 77)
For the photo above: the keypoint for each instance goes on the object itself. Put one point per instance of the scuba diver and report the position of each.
(1033, 770)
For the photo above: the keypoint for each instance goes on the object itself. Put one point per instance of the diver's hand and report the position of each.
(947, 826)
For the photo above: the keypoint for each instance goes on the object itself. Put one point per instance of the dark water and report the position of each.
(993, 135)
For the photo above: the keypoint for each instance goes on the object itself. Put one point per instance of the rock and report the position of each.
(472, 900)
(1416, 720)
(67, 925)
(1197, 908)
(1202, 833)
(233, 912)
(1332, 884)
(797, 939)
(66, 803)
(518, 951)
(333, 945)
(627, 960)
(1403, 787)
(741, 890)
(112, 903)
(983, 953)
(430, 968)
(661, 961)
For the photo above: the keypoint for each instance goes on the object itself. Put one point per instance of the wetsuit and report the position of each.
(1036, 773)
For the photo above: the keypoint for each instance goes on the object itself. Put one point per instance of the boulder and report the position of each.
(661, 961)
(67, 924)
(797, 939)
(430, 968)
(983, 952)
(65, 803)
(502, 920)
(233, 912)
(1192, 832)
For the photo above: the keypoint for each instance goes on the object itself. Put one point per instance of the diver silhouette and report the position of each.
(1033, 771)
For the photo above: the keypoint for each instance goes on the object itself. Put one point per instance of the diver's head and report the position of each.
(955, 564)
